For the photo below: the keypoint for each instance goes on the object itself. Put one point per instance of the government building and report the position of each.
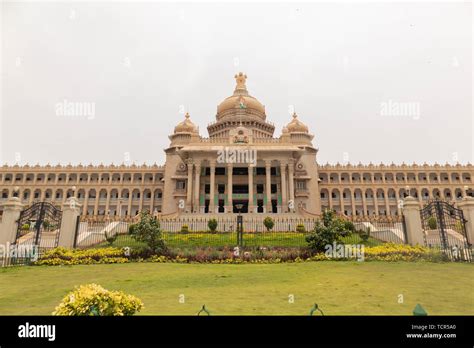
(241, 167)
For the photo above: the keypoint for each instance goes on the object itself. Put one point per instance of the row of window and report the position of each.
(390, 177)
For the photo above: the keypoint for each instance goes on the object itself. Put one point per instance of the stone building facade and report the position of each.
(241, 166)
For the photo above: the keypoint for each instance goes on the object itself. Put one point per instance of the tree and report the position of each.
(268, 223)
(148, 231)
(212, 224)
(327, 231)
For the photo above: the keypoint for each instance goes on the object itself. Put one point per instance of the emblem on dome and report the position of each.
(240, 78)
(242, 103)
(241, 138)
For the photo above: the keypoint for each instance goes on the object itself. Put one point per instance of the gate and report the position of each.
(39, 225)
(444, 227)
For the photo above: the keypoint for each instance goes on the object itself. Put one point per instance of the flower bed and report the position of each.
(385, 252)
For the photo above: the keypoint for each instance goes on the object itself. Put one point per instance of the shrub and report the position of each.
(432, 223)
(148, 231)
(25, 227)
(300, 228)
(328, 232)
(268, 223)
(402, 252)
(110, 237)
(364, 235)
(184, 229)
(212, 224)
(63, 256)
(349, 226)
(131, 229)
(93, 299)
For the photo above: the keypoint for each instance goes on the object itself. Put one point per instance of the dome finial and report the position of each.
(240, 79)
(294, 114)
(187, 115)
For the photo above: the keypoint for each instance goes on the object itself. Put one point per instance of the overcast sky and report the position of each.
(375, 82)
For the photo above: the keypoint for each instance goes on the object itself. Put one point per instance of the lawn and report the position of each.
(267, 239)
(339, 288)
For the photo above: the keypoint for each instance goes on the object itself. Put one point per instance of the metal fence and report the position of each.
(383, 229)
(191, 233)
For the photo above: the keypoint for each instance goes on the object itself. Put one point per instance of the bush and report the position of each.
(364, 235)
(184, 229)
(300, 228)
(349, 226)
(93, 299)
(402, 252)
(432, 223)
(148, 231)
(268, 223)
(63, 256)
(328, 232)
(212, 224)
(25, 227)
(131, 229)
(110, 237)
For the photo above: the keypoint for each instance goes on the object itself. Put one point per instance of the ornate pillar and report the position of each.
(229, 188)
(353, 206)
(140, 203)
(189, 186)
(364, 203)
(341, 201)
(291, 183)
(130, 197)
(376, 203)
(212, 188)
(268, 185)
(387, 204)
(152, 202)
(284, 198)
(414, 230)
(11, 213)
(86, 202)
(96, 203)
(197, 186)
(467, 206)
(397, 198)
(107, 203)
(71, 212)
(250, 180)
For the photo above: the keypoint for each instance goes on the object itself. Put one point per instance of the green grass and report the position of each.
(339, 288)
(267, 239)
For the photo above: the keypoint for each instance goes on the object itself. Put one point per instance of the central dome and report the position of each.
(241, 109)
(240, 102)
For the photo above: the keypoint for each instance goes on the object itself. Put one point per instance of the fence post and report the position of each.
(414, 228)
(67, 233)
(9, 226)
(467, 207)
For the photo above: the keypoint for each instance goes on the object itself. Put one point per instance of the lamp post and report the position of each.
(240, 228)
